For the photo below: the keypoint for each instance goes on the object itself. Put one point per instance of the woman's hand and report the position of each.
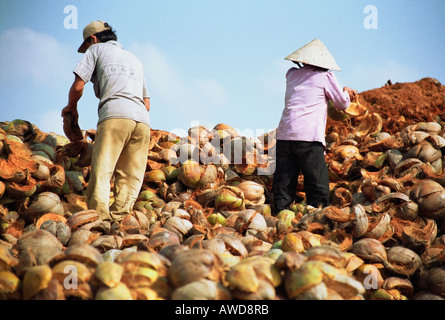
(352, 93)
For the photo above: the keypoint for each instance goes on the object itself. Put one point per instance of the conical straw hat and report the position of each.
(314, 53)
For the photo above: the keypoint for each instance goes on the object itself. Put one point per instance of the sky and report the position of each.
(211, 61)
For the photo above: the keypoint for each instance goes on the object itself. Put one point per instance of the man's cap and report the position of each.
(92, 28)
(314, 53)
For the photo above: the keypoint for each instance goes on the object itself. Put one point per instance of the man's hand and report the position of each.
(73, 111)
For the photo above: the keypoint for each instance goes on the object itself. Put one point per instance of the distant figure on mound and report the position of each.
(123, 129)
(301, 131)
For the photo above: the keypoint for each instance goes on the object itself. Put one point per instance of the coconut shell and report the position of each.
(179, 226)
(38, 255)
(361, 220)
(22, 129)
(419, 237)
(46, 202)
(107, 242)
(355, 108)
(59, 229)
(341, 197)
(2, 188)
(425, 295)
(346, 287)
(205, 266)
(54, 291)
(56, 178)
(250, 220)
(229, 198)
(7, 258)
(253, 192)
(233, 244)
(405, 286)
(309, 275)
(19, 191)
(433, 255)
(37, 238)
(371, 124)
(370, 249)
(381, 201)
(82, 237)
(66, 267)
(403, 261)
(82, 217)
(131, 240)
(84, 253)
(254, 277)
(202, 290)
(9, 283)
(36, 279)
(50, 216)
(436, 280)
(341, 238)
(119, 292)
(162, 239)
(109, 273)
(378, 226)
(336, 114)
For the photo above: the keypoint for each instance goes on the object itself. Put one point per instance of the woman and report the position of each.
(301, 131)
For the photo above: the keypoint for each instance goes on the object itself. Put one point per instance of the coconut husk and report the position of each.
(16, 162)
(71, 128)
(50, 216)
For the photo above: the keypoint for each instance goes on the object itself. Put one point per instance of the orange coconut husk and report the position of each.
(50, 216)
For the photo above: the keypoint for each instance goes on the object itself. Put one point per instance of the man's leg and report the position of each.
(130, 170)
(108, 143)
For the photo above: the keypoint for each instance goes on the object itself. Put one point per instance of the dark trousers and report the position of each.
(293, 157)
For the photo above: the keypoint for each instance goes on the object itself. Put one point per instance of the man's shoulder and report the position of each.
(101, 46)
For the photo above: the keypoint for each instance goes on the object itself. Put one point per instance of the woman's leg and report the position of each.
(285, 176)
(315, 172)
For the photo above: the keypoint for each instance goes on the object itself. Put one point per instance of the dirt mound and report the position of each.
(402, 104)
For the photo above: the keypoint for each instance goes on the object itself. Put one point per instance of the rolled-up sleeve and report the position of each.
(335, 93)
(145, 93)
(85, 67)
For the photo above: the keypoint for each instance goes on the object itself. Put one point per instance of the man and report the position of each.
(301, 131)
(123, 134)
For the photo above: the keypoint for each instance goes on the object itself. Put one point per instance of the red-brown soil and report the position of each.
(402, 104)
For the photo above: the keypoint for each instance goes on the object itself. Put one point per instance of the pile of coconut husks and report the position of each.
(203, 228)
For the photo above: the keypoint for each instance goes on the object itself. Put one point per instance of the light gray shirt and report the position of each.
(118, 79)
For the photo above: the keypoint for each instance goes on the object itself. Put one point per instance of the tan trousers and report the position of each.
(120, 148)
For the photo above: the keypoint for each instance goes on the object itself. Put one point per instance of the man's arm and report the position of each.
(147, 103)
(74, 96)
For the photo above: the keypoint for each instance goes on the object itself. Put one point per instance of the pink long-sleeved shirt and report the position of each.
(305, 113)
